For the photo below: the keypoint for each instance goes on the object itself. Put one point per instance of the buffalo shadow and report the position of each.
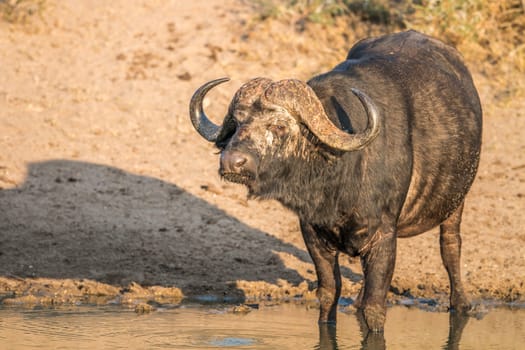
(80, 220)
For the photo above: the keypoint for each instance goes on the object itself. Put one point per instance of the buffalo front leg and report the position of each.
(378, 258)
(450, 246)
(325, 258)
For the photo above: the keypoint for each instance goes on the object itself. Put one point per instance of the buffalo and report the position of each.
(384, 146)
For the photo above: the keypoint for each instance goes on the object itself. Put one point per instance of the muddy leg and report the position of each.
(378, 266)
(371, 340)
(450, 245)
(326, 264)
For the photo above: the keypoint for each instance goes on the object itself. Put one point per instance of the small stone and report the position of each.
(144, 308)
(241, 309)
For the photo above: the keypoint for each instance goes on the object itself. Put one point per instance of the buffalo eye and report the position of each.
(278, 129)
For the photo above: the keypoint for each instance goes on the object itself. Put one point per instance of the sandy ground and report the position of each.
(106, 191)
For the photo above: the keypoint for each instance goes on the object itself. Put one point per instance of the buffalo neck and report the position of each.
(319, 190)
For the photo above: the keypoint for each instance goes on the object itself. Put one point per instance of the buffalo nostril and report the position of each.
(232, 161)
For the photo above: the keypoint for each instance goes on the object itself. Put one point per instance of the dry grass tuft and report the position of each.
(488, 31)
(490, 34)
(20, 11)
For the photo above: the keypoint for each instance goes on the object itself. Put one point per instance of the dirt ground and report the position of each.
(108, 194)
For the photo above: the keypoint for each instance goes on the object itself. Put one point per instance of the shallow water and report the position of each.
(286, 326)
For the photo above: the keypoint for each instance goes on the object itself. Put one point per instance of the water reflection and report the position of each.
(371, 340)
(327, 337)
(283, 326)
(457, 324)
(376, 341)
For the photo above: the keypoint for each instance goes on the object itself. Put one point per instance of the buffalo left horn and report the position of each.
(301, 102)
(204, 126)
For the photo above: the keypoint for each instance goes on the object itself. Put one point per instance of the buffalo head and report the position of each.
(270, 122)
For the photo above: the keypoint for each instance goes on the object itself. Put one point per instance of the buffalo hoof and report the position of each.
(374, 317)
(460, 304)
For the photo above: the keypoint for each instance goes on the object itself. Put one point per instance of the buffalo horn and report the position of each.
(204, 126)
(301, 101)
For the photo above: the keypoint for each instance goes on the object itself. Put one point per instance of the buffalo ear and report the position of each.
(228, 129)
(344, 121)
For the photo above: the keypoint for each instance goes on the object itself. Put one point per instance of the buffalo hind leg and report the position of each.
(450, 246)
(326, 263)
(378, 258)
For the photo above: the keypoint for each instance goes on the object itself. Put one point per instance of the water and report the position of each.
(285, 326)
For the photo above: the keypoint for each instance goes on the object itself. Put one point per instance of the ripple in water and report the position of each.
(232, 342)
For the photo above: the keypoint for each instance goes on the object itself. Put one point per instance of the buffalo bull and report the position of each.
(385, 145)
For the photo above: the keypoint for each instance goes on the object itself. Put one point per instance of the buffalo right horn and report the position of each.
(301, 101)
(204, 126)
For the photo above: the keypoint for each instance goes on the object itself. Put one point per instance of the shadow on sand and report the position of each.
(82, 220)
